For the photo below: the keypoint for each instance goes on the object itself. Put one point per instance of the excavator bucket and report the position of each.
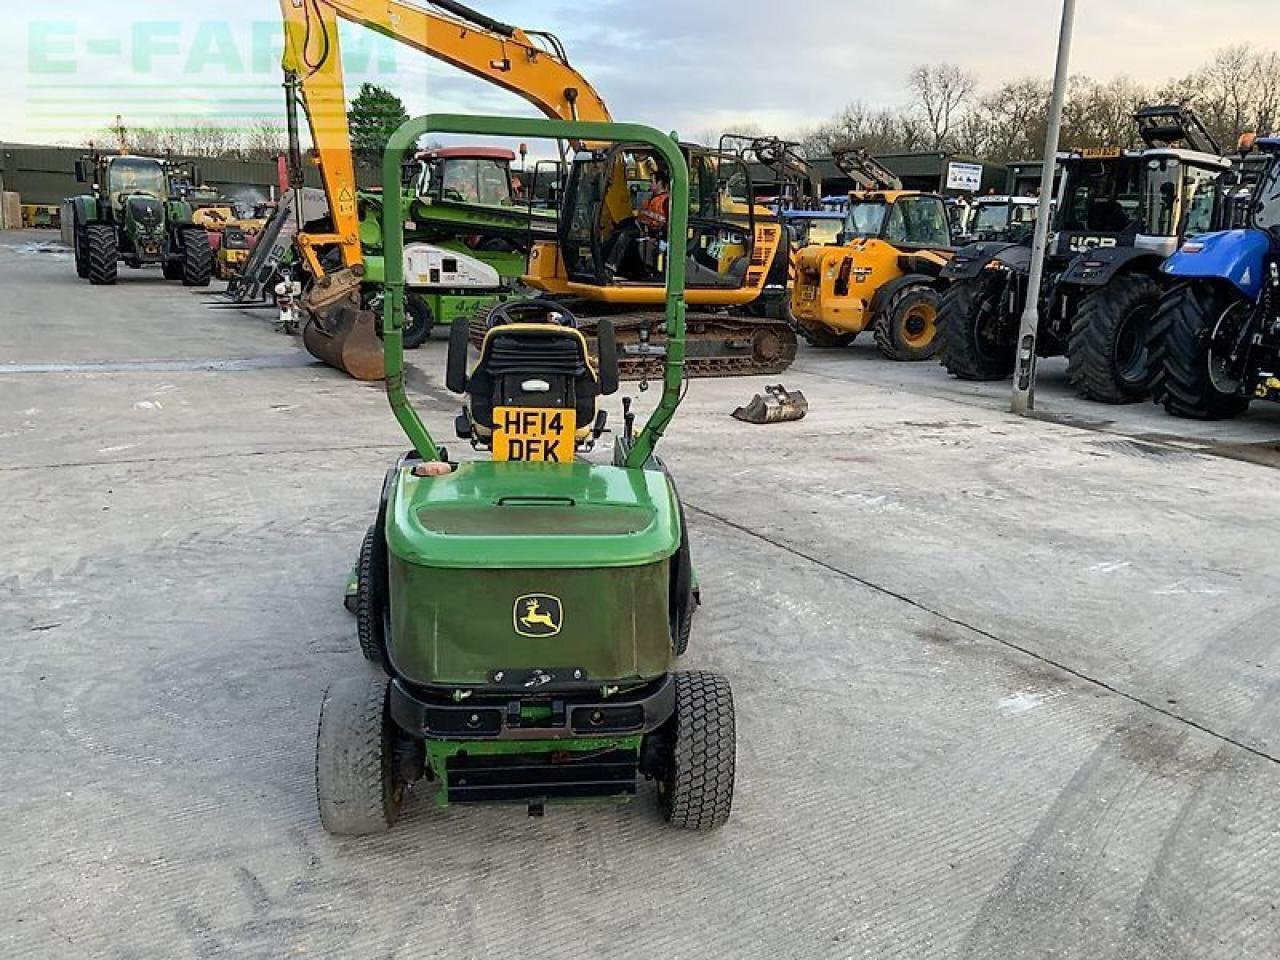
(776, 405)
(347, 339)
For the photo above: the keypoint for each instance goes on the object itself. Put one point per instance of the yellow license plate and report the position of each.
(542, 434)
(1101, 153)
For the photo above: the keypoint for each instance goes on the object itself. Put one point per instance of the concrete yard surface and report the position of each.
(1005, 688)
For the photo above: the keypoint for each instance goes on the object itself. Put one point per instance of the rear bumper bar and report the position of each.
(420, 713)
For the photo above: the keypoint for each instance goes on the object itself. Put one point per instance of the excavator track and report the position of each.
(716, 344)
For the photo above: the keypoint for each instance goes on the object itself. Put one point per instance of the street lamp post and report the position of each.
(1024, 379)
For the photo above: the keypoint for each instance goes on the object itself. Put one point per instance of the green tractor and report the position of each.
(525, 611)
(132, 216)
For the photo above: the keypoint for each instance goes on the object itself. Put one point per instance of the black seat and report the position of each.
(532, 355)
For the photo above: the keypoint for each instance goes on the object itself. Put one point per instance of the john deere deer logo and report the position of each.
(537, 615)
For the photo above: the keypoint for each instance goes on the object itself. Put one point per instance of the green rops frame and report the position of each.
(393, 214)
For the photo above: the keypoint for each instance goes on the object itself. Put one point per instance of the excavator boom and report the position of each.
(530, 64)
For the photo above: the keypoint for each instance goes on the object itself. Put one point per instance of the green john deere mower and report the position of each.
(526, 609)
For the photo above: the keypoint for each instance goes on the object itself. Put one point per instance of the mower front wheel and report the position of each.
(371, 601)
(358, 788)
(695, 789)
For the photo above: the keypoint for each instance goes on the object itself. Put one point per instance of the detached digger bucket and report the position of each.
(347, 339)
(776, 405)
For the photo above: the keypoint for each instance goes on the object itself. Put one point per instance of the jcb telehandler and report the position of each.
(881, 271)
(133, 216)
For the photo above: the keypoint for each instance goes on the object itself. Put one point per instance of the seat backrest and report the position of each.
(533, 365)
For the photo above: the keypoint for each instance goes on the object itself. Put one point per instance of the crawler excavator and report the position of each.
(600, 264)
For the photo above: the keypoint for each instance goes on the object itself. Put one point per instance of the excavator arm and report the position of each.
(502, 54)
(528, 63)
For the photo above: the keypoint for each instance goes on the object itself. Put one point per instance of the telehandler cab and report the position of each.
(527, 609)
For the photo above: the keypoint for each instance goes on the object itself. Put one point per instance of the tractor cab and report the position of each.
(115, 179)
(1265, 213)
(1181, 196)
(463, 175)
(1002, 218)
(1099, 203)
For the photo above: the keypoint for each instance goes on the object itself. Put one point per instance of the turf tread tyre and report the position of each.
(1179, 354)
(889, 328)
(197, 258)
(104, 254)
(957, 336)
(370, 601)
(682, 587)
(356, 785)
(1093, 367)
(696, 790)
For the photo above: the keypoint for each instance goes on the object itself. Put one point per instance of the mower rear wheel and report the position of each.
(695, 791)
(197, 258)
(371, 601)
(1107, 355)
(967, 342)
(907, 327)
(357, 785)
(104, 254)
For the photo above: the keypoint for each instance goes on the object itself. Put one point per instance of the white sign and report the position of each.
(964, 176)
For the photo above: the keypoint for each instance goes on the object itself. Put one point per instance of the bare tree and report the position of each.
(942, 92)
(264, 139)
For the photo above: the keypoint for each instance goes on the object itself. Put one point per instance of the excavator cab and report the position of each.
(607, 254)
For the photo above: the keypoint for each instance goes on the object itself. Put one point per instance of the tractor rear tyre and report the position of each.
(371, 601)
(82, 254)
(358, 786)
(822, 338)
(1189, 380)
(197, 258)
(968, 351)
(695, 790)
(172, 269)
(417, 322)
(104, 254)
(1107, 355)
(907, 327)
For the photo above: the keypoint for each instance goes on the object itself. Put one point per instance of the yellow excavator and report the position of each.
(603, 263)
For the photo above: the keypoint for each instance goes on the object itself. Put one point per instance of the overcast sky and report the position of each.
(689, 65)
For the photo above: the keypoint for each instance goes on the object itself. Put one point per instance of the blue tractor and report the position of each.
(1216, 334)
